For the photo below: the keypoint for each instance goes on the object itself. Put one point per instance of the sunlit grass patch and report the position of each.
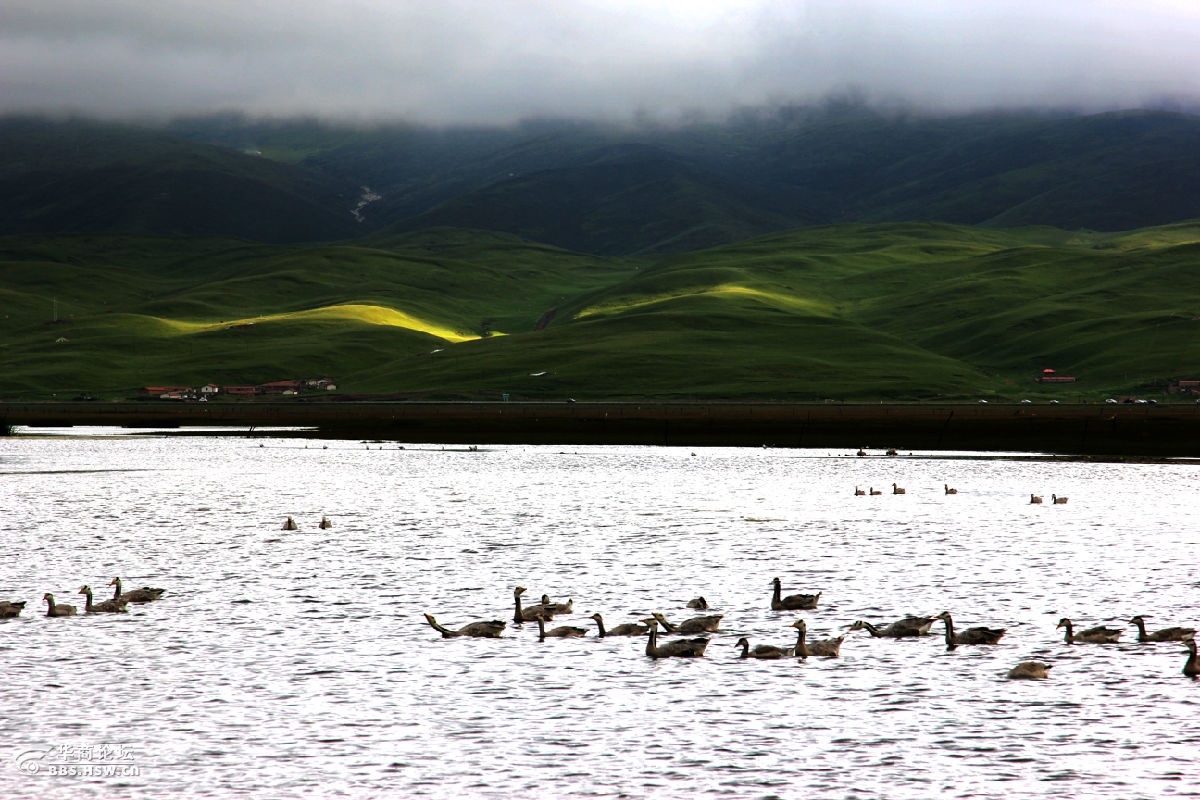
(364, 314)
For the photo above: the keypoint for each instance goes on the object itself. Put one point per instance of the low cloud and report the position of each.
(496, 61)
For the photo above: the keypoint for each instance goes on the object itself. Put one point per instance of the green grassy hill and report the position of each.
(853, 312)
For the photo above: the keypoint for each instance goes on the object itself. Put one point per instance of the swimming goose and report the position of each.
(949, 490)
(683, 648)
(858, 492)
(289, 524)
(1191, 667)
(487, 629)
(57, 609)
(556, 608)
(530, 613)
(698, 602)
(978, 635)
(106, 606)
(325, 524)
(762, 651)
(1034, 498)
(693, 625)
(793, 602)
(11, 608)
(1096, 635)
(830, 648)
(875, 491)
(561, 632)
(142, 595)
(1029, 670)
(1058, 500)
(900, 629)
(897, 490)
(1164, 635)
(624, 629)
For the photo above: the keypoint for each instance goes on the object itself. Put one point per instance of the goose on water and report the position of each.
(1177, 634)
(1096, 635)
(793, 602)
(949, 490)
(106, 606)
(762, 651)
(487, 629)
(694, 625)
(556, 608)
(875, 491)
(900, 629)
(529, 614)
(142, 595)
(57, 609)
(1058, 500)
(289, 524)
(858, 492)
(681, 648)
(897, 489)
(1030, 671)
(698, 602)
(1191, 667)
(561, 632)
(829, 648)
(1035, 498)
(977, 635)
(624, 629)
(11, 608)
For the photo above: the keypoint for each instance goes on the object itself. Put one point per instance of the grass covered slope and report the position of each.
(854, 312)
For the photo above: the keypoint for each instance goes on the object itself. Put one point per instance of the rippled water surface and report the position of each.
(298, 664)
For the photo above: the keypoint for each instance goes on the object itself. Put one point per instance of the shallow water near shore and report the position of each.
(298, 663)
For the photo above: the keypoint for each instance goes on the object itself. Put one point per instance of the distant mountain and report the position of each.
(87, 177)
(599, 188)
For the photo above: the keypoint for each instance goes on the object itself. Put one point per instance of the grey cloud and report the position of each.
(499, 60)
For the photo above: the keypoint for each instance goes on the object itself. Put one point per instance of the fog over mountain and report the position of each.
(496, 61)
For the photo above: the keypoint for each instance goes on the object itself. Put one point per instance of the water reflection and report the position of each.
(299, 663)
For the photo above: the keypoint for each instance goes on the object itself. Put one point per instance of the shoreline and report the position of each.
(1170, 430)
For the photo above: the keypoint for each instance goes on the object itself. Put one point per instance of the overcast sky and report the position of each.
(472, 61)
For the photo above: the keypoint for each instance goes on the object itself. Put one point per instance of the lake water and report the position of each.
(298, 664)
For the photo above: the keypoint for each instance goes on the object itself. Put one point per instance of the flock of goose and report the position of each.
(115, 605)
(910, 626)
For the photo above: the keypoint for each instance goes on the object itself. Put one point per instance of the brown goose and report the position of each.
(325, 524)
(106, 606)
(830, 648)
(875, 491)
(900, 629)
(11, 608)
(762, 651)
(624, 629)
(682, 648)
(859, 492)
(978, 635)
(289, 524)
(1191, 667)
(897, 490)
(1096, 635)
(1035, 498)
(527, 614)
(57, 609)
(142, 595)
(1058, 500)
(556, 608)
(949, 490)
(487, 629)
(698, 602)
(1164, 635)
(706, 624)
(561, 632)
(793, 602)
(1030, 671)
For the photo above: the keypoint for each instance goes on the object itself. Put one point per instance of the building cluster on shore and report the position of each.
(287, 388)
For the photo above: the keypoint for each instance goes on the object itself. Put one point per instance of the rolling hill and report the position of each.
(912, 311)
